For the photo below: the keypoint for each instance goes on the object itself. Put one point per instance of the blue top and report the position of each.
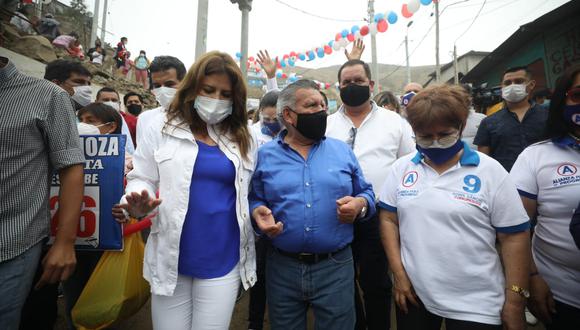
(210, 239)
(507, 137)
(303, 193)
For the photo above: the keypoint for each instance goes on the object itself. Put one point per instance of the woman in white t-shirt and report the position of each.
(548, 178)
(442, 210)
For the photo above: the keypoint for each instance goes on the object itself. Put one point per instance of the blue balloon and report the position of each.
(426, 2)
(283, 63)
(311, 55)
(320, 52)
(392, 18)
(379, 16)
(344, 33)
(353, 30)
(278, 74)
(331, 43)
(301, 56)
(291, 62)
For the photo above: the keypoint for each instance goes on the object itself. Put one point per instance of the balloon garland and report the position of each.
(380, 24)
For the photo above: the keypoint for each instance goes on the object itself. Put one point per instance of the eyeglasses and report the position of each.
(574, 95)
(425, 141)
(352, 137)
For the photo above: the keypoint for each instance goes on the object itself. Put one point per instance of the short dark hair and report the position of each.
(164, 63)
(128, 95)
(104, 113)
(61, 70)
(516, 69)
(124, 39)
(353, 63)
(106, 90)
(269, 100)
(557, 126)
(324, 97)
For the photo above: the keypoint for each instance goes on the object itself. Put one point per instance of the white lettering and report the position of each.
(100, 146)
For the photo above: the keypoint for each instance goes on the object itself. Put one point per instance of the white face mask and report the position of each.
(88, 129)
(514, 93)
(164, 95)
(82, 95)
(114, 105)
(212, 111)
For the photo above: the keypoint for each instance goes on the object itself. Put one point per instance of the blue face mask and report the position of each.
(271, 128)
(441, 155)
(572, 114)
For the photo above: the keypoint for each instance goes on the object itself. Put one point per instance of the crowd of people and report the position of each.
(456, 217)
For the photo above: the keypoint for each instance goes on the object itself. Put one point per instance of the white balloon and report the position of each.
(413, 5)
(357, 35)
(336, 46)
(373, 28)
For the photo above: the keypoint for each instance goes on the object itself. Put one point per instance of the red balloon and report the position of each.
(364, 30)
(382, 25)
(326, 86)
(338, 36)
(406, 13)
(284, 75)
(257, 69)
(350, 37)
(278, 65)
(251, 59)
(285, 57)
(327, 50)
(293, 54)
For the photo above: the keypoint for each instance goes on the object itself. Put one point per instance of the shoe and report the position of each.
(530, 318)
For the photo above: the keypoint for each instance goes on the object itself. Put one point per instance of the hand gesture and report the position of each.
(265, 221)
(349, 208)
(404, 291)
(541, 302)
(138, 205)
(58, 264)
(267, 63)
(358, 48)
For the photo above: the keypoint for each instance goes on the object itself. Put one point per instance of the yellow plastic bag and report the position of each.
(116, 290)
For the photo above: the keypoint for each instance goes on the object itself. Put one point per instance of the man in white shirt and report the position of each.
(378, 137)
(166, 73)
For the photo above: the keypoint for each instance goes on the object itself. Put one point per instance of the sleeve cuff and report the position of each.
(527, 194)
(514, 229)
(387, 207)
(272, 84)
(65, 158)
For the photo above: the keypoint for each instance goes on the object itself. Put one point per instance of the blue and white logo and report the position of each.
(410, 178)
(472, 184)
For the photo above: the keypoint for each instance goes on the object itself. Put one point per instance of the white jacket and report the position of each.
(164, 161)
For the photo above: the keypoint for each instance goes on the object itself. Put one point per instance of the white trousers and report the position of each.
(197, 304)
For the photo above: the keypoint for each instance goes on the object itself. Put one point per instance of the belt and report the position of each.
(310, 258)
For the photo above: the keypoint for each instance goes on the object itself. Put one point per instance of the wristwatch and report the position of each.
(519, 290)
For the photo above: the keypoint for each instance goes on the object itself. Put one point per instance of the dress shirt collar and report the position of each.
(280, 138)
(8, 71)
(469, 157)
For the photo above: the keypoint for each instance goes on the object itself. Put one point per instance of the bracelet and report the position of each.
(534, 274)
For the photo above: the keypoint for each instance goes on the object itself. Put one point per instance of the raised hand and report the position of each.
(358, 48)
(267, 63)
(138, 205)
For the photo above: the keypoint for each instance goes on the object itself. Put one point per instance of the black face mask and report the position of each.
(354, 95)
(134, 109)
(311, 125)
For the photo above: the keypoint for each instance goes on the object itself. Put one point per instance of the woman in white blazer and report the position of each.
(200, 158)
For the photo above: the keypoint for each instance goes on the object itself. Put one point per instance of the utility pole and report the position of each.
(95, 24)
(437, 64)
(201, 36)
(245, 6)
(104, 25)
(374, 64)
(407, 52)
(456, 75)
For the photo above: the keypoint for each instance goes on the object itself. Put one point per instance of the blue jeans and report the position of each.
(15, 282)
(326, 286)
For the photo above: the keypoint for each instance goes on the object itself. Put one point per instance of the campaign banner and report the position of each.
(103, 177)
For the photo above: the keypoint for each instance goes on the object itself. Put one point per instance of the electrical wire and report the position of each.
(318, 16)
(472, 22)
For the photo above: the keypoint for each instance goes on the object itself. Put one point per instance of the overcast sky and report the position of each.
(168, 27)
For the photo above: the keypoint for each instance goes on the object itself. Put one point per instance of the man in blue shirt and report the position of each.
(307, 191)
